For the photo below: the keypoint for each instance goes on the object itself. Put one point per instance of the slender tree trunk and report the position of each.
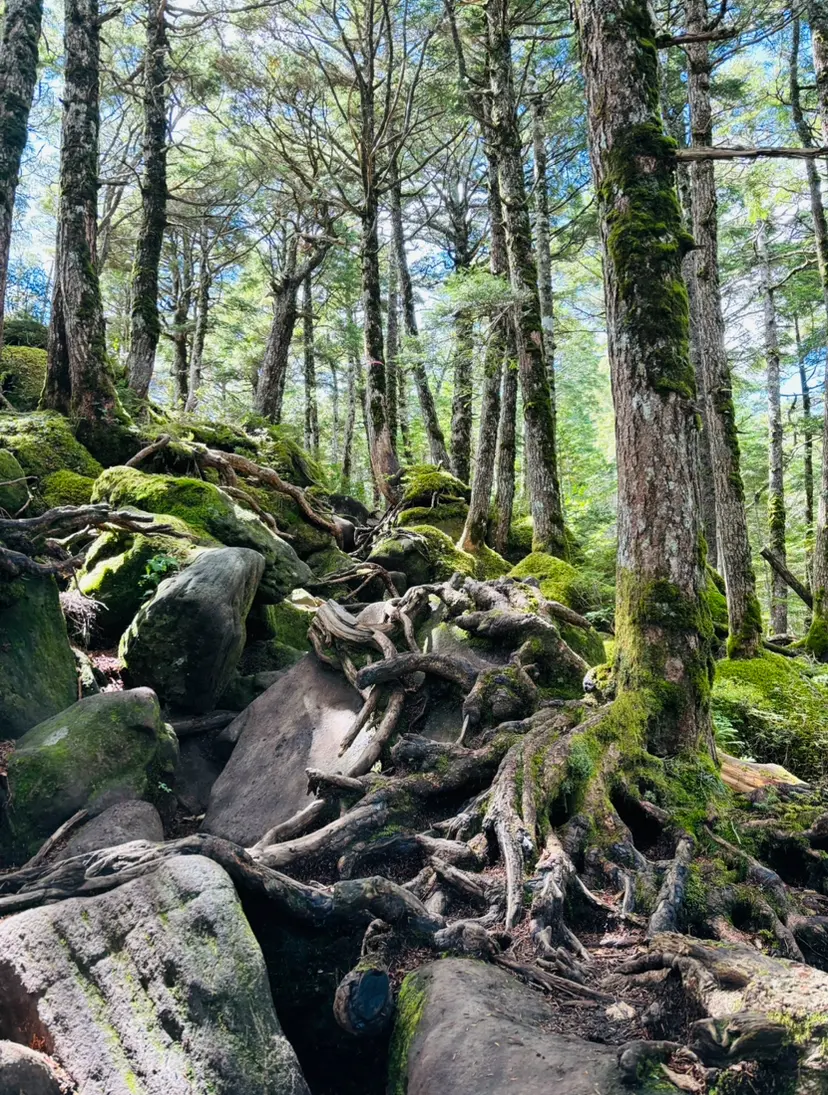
(538, 406)
(544, 246)
(663, 628)
(392, 348)
(436, 440)
(273, 374)
(309, 355)
(461, 404)
(744, 615)
(202, 315)
(402, 415)
(506, 448)
(807, 455)
(776, 479)
(77, 378)
(350, 422)
(18, 73)
(146, 326)
(334, 412)
(477, 520)
(182, 294)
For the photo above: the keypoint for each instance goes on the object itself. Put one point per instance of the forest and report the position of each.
(413, 547)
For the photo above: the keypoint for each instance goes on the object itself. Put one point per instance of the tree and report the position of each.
(309, 356)
(18, 73)
(662, 622)
(146, 326)
(78, 382)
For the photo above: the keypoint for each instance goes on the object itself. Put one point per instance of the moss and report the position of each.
(778, 710)
(267, 656)
(43, 443)
(428, 484)
(22, 374)
(289, 624)
(444, 557)
(716, 600)
(411, 1003)
(13, 494)
(279, 449)
(816, 641)
(66, 488)
(305, 539)
(559, 580)
(449, 517)
(489, 564)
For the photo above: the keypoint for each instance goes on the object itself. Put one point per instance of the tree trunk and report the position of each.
(543, 239)
(273, 374)
(461, 404)
(18, 73)
(78, 383)
(663, 657)
(436, 440)
(776, 482)
(182, 277)
(392, 348)
(506, 448)
(202, 313)
(402, 415)
(309, 355)
(538, 406)
(807, 455)
(334, 413)
(744, 615)
(146, 326)
(350, 422)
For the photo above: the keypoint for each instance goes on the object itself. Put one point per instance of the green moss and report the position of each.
(449, 517)
(66, 488)
(13, 494)
(411, 1003)
(816, 641)
(289, 624)
(427, 484)
(716, 600)
(279, 449)
(559, 580)
(489, 564)
(22, 374)
(778, 710)
(305, 539)
(43, 443)
(444, 557)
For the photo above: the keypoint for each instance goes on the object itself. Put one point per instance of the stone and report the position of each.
(101, 750)
(157, 987)
(468, 1028)
(118, 824)
(37, 667)
(424, 554)
(13, 492)
(208, 511)
(296, 724)
(43, 442)
(187, 640)
(24, 1071)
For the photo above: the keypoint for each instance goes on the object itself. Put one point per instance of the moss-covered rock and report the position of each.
(279, 449)
(304, 538)
(448, 517)
(488, 564)
(423, 554)
(428, 485)
(559, 580)
(519, 542)
(100, 750)
(66, 488)
(43, 443)
(328, 561)
(13, 493)
(774, 709)
(122, 569)
(210, 512)
(22, 373)
(277, 639)
(244, 688)
(37, 668)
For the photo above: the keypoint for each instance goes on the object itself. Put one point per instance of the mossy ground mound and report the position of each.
(449, 517)
(424, 554)
(774, 709)
(559, 581)
(13, 493)
(66, 488)
(428, 485)
(43, 443)
(22, 373)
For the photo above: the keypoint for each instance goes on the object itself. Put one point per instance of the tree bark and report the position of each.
(506, 448)
(545, 297)
(182, 285)
(146, 326)
(350, 422)
(744, 615)
(273, 375)
(461, 404)
(663, 628)
(538, 405)
(434, 433)
(392, 348)
(776, 479)
(807, 454)
(78, 383)
(309, 356)
(18, 74)
(202, 313)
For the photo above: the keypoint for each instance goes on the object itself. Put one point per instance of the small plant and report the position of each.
(157, 569)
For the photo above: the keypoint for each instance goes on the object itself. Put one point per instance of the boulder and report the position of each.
(13, 492)
(119, 824)
(157, 987)
(210, 512)
(24, 1071)
(297, 724)
(469, 1028)
(37, 667)
(22, 373)
(424, 554)
(66, 488)
(43, 442)
(186, 642)
(102, 750)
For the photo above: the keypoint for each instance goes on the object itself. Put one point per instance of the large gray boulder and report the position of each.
(298, 723)
(37, 667)
(24, 1071)
(186, 642)
(469, 1028)
(157, 987)
(101, 750)
(118, 824)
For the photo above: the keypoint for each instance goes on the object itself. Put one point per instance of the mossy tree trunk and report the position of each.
(506, 447)
(663, 658)
(456, 198)
(807, 454)
(744, 615)
(202, 317)
(18, 73)
(78, 382)
(182, 291)
(392, 349)
(145, 323)
(545, 298)
(309, 358)
(776, 476)
(350, 423)
(538, 405)
(436, 441)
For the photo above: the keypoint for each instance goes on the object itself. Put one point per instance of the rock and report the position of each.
(210, 512)
(23, 1071)
(277, 637)
(43, 443)
(22, 373)
(87, 676)
(119, 824)
(186, 642)
(157, 987)
(468, 1028)
(449, 517)
(37, 667)
(297, 724)
(102, 750)
(66, 488)
(423, 554)
(200, 762)
(243, 689)
(13, 492)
